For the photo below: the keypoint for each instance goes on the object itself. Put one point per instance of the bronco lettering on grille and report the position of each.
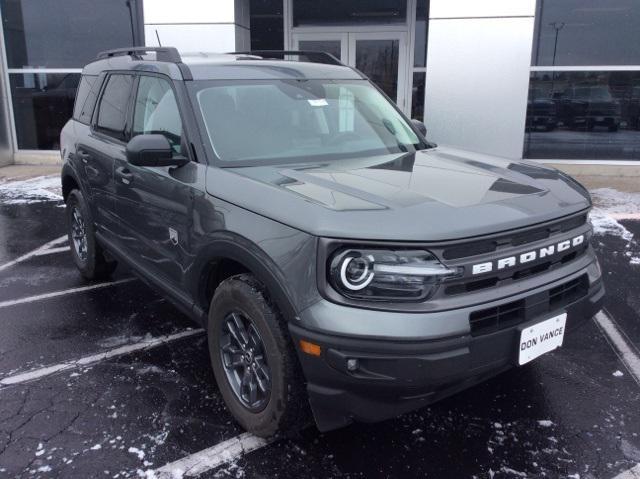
(526, 257)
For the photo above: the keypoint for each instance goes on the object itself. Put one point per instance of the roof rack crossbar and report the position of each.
(313, 56)
(163, 54)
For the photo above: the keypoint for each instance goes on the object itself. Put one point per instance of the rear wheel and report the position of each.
(86, 252)
(253, 360)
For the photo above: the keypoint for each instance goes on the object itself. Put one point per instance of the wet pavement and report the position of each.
(573, 413)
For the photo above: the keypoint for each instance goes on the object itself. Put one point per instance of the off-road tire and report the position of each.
(287, 408)
(95, 265)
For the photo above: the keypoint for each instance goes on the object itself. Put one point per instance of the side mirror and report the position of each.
(152, 150)
(421, 127)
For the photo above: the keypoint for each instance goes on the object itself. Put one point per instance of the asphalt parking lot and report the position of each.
(109, 380)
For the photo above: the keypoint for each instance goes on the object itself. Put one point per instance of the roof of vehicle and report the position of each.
(221, 66)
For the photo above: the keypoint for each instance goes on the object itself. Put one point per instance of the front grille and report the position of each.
(518, 238)
(506, 315)
(469, 285)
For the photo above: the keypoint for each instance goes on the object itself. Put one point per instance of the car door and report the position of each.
(102, 146)
(154, 204)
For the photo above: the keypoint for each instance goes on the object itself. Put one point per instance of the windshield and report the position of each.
(302, 120)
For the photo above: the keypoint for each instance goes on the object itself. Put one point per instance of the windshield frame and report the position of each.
(195, 86)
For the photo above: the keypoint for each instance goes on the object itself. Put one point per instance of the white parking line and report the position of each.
(94, 358)
(53, 250)
(633, 473)
(621, 344)
(40, 297)
(207, 459)
(34, 252)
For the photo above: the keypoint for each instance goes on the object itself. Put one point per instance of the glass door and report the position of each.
(334, 43)
(381, 56)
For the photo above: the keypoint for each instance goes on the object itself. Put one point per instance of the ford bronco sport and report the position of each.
(339, 262)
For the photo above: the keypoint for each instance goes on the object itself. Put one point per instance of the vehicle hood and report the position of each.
(431, 195)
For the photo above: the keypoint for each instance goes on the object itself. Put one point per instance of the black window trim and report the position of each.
(127, 126)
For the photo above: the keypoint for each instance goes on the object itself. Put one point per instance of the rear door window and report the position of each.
(114, 106)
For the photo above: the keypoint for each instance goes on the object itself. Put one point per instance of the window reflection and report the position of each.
(417, 96)
(313, 12)
(591, 115)
(65, 33)
(42, 104)
(587, 32)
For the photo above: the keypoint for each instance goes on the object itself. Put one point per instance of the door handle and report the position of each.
(124, 174)
(82, 156)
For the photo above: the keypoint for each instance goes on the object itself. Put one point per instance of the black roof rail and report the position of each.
(163, 54)
(312, 56)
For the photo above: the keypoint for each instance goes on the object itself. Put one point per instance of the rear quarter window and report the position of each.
(86, 97)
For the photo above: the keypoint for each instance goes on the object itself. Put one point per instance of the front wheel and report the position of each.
(253, 360)
(86, 252)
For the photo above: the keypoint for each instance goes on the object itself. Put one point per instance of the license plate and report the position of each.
(541, 338)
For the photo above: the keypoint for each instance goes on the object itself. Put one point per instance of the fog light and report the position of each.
(352, 364)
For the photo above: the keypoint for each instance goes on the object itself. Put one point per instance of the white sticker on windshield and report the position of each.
(317, 102)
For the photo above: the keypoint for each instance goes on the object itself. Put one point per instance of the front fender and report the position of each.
(253, 258)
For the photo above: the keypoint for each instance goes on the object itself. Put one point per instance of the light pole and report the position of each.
(557, 26)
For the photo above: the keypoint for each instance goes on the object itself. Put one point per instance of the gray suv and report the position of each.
(340, 263)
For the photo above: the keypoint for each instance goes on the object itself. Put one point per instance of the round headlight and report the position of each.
(356, 272)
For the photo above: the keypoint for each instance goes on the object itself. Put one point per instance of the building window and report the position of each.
(352, 12)
(587, 32)
(419, 59)
(42, 104)
(417, 96)
(267, 25)
(583, 115)
(47, 43)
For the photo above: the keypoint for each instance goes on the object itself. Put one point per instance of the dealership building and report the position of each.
(553, 80)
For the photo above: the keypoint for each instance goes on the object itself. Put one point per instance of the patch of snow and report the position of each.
(611, 205)
(97, 447)
(148, 474)
(150, 369)
(44, 469)
(545, 423)
(39, 452)
(508, 470)
(616, 203)
(137, 452)
(604, 224)
(32, 190)
(618, 374)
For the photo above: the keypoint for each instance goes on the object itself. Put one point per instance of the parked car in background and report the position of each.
(541, 111)
(633, 109)
(585, 107)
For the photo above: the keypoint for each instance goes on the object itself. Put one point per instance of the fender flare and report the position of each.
(253, 258)
(69, 171)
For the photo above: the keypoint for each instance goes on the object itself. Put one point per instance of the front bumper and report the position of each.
(395, 376)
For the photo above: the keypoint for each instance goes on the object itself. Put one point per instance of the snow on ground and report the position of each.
(610, 206)
(33, 190)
